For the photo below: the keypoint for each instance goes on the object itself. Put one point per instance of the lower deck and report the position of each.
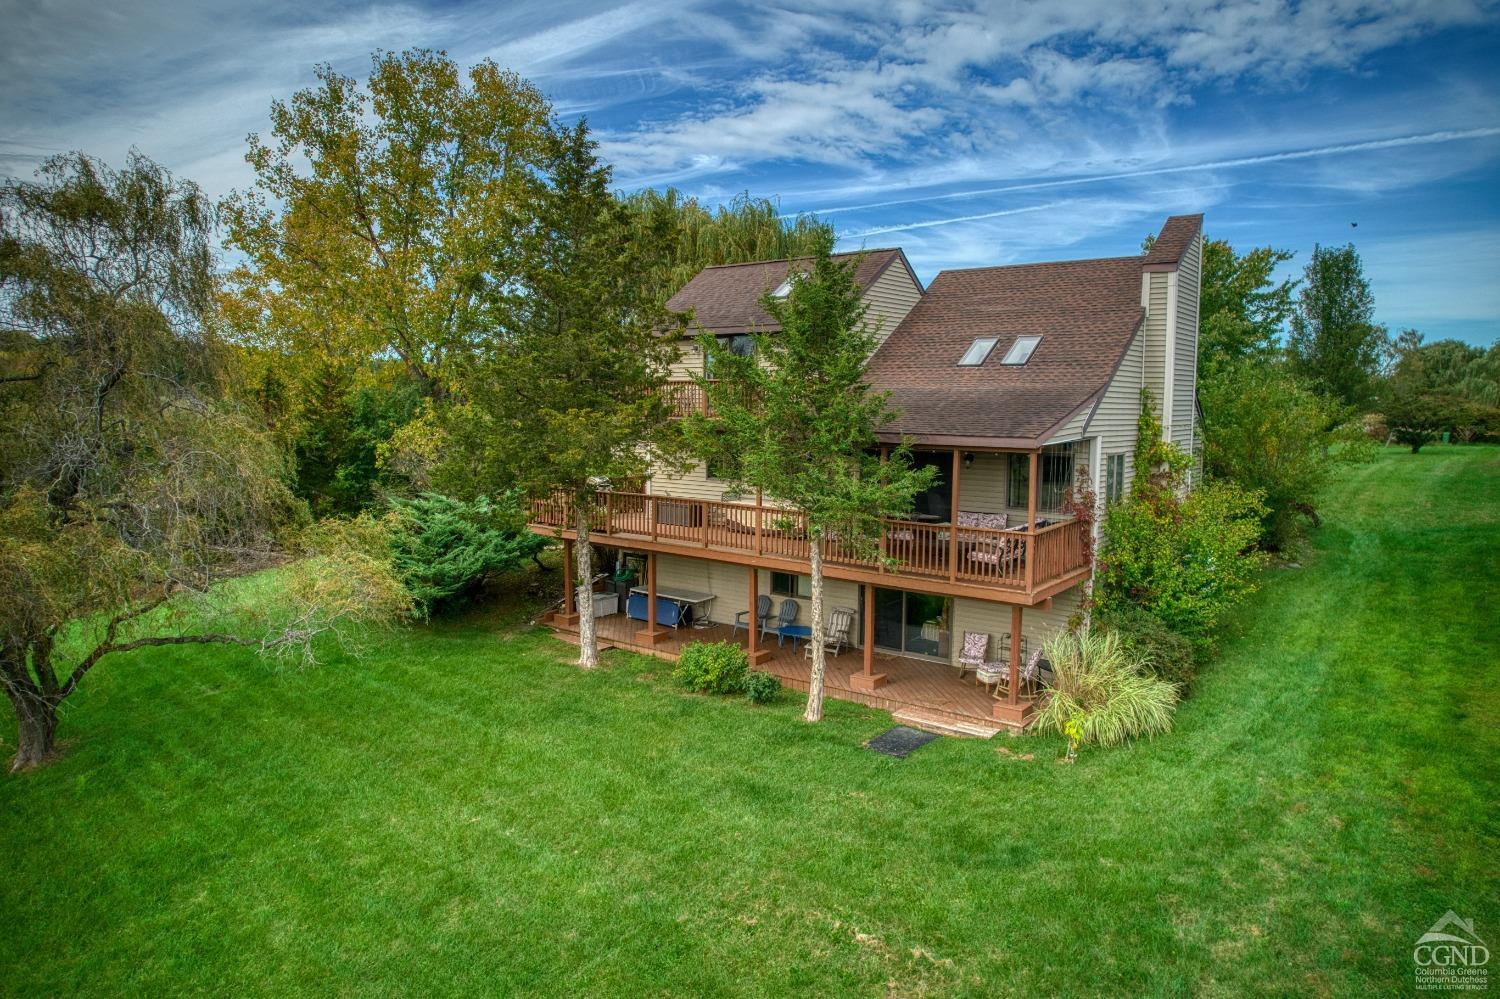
(916, 691)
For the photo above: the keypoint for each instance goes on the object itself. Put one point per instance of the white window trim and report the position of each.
(1031, 342)
(992, 341)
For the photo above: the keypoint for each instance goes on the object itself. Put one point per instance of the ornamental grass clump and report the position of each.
(1101, 694)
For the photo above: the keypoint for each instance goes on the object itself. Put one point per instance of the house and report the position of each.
(1018, 383)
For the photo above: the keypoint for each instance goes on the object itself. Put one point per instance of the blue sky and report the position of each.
(968, 134)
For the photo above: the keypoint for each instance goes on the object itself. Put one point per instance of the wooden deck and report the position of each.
(928, 694)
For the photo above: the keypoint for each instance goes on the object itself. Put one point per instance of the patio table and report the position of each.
(794, 632)
(698, 600)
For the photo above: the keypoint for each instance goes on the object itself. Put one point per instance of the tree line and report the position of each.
(439, 307)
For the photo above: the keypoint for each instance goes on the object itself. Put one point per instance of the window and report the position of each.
(1114, 477)
(788, 584)
(1056, 464)
(719, 468)
(741, 345)
(784, 288)
(1020, 352)
(978, 351)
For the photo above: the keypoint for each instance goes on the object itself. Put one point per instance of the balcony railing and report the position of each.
(684, 397)
(1020, 560)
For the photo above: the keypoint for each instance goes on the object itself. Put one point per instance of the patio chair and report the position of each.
(836, 633)
(971, 656)
(1035, 672)
(762, 615)
(785, 616)
(996, 675)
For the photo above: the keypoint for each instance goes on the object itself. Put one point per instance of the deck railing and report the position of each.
(684, 397)
(1022, 560)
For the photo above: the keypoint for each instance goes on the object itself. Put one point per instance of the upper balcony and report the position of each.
(685, 397)
(1023, 565)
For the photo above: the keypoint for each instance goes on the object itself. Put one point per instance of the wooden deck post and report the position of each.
(868, 680)
(953, 519)
(569, 614)
(753, 651)
(1013, 710)
(1034, 484)
(651, 634)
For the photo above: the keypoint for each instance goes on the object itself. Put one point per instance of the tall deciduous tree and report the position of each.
(388, 221)
(797, 420)
(1335, 343)
(1268, 432)
(563, 397)
(1244, 309)
(128, 487)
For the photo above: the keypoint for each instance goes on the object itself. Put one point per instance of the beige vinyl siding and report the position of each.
(730, 583)
(689, 360)
(890, 298)
(1073, 429)
(1185, 350)
(994, 619)
(1156, 335)
(1119, 412)
(695, 484)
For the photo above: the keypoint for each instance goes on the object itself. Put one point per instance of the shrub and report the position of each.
(762, 688)
(712, 668)
(1158, 649)
(1273, 434)
(443, 548)
(1100, 693)
(1186, 561)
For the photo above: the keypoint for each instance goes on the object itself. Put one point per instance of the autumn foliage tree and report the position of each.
(130, 490)
(387, 220)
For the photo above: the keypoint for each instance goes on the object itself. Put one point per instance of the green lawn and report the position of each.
(463, 811)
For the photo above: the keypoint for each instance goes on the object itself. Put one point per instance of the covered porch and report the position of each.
(921, 692)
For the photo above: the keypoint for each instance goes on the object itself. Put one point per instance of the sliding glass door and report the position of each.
(912, 623)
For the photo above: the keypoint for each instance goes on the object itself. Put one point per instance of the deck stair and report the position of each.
(946, 724)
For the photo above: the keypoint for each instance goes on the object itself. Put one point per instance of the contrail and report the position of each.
(961, 218)
(1425, 138)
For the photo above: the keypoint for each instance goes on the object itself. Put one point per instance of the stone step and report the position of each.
(931, 721)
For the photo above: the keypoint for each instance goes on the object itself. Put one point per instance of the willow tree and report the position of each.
(130, 491)
(741, 231)
(796, 420)
(562, 396)
(386, 222)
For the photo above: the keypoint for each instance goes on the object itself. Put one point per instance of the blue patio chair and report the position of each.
(784, 617)
(762, 615)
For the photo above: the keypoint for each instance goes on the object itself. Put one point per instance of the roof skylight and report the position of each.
(783, 289)
(1020, 352)
(978, 351)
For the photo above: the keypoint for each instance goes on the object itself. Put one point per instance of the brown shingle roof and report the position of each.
(1086, 312)
(726, 299)
(1173, 240)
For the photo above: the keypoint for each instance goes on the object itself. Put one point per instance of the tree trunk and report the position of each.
(36, 728)
(583, 602)
(814, 710)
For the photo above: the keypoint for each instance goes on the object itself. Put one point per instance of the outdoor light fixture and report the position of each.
(968, 459)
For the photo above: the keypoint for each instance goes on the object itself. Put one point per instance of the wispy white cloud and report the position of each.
(1395, 142)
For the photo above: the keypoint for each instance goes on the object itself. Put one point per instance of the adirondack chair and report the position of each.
(762, 615)
(837, 631)
(784, 617)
